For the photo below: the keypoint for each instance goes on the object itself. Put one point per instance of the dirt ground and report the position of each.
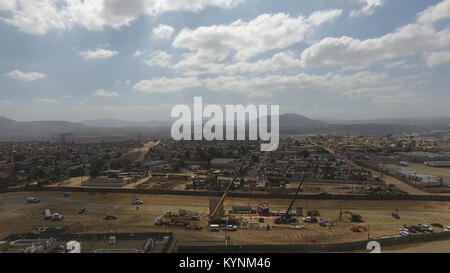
(17, 217)
(138, 154)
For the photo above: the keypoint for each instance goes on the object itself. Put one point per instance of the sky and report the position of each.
(134, 60)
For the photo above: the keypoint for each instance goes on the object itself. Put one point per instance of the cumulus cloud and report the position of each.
(368, 9)
(40, 16)
(163, 32)
(159, 58)
(279, 61)
(438, 58)
(25, 76)
(435, 13)
(98, 54)
(405, 41)
(364, 83)
(104, 93)
(166, 85)
(209, 47)
(248, 39)
(268, 85)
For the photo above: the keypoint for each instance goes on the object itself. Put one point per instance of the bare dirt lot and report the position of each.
(17, 216)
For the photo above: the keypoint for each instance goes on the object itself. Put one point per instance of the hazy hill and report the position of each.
(116, 123)
(296, 120)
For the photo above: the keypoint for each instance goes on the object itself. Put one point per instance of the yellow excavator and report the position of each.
(355, 218)
(215, 217)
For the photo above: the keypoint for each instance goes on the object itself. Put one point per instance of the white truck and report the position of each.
(48, 215)
(33, 200)
(57, 217)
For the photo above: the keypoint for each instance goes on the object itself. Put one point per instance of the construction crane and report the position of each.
(215, 218)
(288, 218)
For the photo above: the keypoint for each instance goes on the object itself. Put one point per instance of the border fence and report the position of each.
(232, 194)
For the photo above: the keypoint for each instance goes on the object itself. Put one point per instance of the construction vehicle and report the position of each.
(355, 218)
(263, 209)
(288, 217)
(194, 226)
(215, 217)
(183, 218)
(358, 229)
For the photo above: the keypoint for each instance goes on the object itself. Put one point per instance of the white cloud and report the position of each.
(266, 86)
(139, 53)
(400, 64)
(279, 61)
(40, 16)
(163, 32)
(25, 76)
(248, 39)
(435, 13)
(347, 51)
(438, 58)
(159, 58)
(46, 100)
(368, 9)
(104, 93)
(98, 54)
(166, 85)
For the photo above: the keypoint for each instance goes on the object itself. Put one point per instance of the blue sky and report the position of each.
(350, 59)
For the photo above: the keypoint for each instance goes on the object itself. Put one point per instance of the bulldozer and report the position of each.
(355, 218)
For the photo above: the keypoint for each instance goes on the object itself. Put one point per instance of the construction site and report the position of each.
(244, 221)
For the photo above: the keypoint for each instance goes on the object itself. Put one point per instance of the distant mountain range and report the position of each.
(290, 124)
(116, 123)
(445, 121)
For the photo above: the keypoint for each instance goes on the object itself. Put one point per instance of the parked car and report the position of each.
(158, 222)
(437, 225)
(57, 217)
(404, 233)
(396, 216)
(110, 217)
(310, 219)
(214, 228)
(137, 201)
(82, 210)
(33, 200)
(230, 228)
